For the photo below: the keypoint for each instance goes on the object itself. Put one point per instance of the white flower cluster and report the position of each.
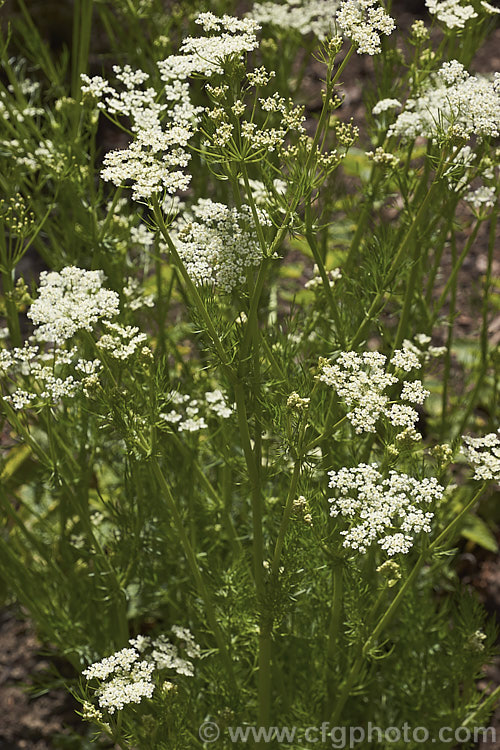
(190, 414)
(157, 157)
(123, 342)
(390, 511)
(317, 282)
(481, 198)
(258, 139)
(360, 381)
(262, 195)
(42, 154)
(206, 56)
(132, 291)
(460, 168)
(69, 301)
(46, 373)
(307, 17)
(363, 21)
(451, 13)
(383, 158)
(384, 104)
(20, 105)
(218, 244)
(489, 8)
(452, 103)
(153, 162)
(131, 669)
(484, 455)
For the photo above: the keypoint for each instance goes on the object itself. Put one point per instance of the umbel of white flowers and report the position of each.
(390, 511)
(127, 676)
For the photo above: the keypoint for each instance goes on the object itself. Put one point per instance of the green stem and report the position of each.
(195, 569)
(333, 632)
(449, 341)
(376, 304)
(193, 291)
(255, 489)
(361, 222)
(487, 288)
(82, 29)
(456, 268)
(441, 242)
(11, 308)
(265, 623)
(253, 208)
(285, 520)
(311, 240)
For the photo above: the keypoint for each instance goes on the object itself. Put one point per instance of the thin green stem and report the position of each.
(456, 267)
(449, 341)
(255, 489)
(193, 291)
(376, 304)
(285, 519)
(195, 569)
(333, 631)
(311, 241)
(11, 308)
(265, 624)
(487, 288)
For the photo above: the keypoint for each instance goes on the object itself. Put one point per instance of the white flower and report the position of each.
(95, 86)
(363, 21)
(451, 13)
(218, 244)
(121, 660)
(135, 296)
(123, 342)
(401, 415)
(484, 455)
(333, 276)
(405, 359)
(307, 17)
(206, 55)
(414, 391)
(192, 424)
(390, 511)
(384, 104)
(452, 103)
(191, 414)
(217, 404)
(385, 158)
(489, 8)
(482, 197)
(132, 676)
(130, 687)
(360, 381)
(71, 300)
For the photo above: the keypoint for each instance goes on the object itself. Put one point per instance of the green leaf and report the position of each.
(15, 460)
(476, 530)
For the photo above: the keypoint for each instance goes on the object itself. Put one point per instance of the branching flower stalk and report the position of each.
(375, 306)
